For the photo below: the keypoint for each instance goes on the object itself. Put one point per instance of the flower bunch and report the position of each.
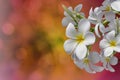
(102, 22)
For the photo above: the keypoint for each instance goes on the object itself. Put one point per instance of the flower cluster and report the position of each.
(102, 22)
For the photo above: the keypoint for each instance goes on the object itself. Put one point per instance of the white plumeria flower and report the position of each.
(110, 43)
(89, 62)
(114, 25)
(79, 38)
(108, 61)
(95, 17)
(106, 5)
(116, 5)
(110, 18)
(107, 10)
(68, 19)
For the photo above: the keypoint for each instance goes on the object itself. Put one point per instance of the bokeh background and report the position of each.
(31, 41)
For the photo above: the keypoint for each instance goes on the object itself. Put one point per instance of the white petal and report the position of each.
(112, 25)
(88, 69)
(69, 8)
(89, 38)
(113, 60)
(71, 32)
(92, 19)
(108, 51)
(110, 68)
(97, 68)
(96, 10)
(78, 8)
(102, 28)
(96, 30)
(110, 16)
(66, 21)
(111, 35)
(104, 43)
(118, 38)
(117, 48)
(116, 5)
(94, 57)
(79, 64)
(70, 45)
(91, 12)
(100, 16)
(104, 64)
(81, 51)
(74, 57)
(84, 25)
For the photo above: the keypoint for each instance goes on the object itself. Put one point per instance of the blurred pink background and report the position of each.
(31, 42)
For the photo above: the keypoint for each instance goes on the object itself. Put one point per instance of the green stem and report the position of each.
(105, 22)
(70, 13)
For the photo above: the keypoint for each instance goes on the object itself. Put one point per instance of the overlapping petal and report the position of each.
(116, 5)
(110, 36)
(97, 68)
(109, 67)
(97, 30)
(66, 21)
(81, 51)
(110, 16)
(78, 8)
(83, 26)
(118, 38)
(88, 69)
(104, 43)
(71, 32)
(113, 60)
(89, 38)
(79, 64)
(70, 45)
(94, 57)
(117, 48)
(108, 51)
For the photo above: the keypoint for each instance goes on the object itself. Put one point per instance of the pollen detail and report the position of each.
(113, 43)
(80, 38)
(108, 8)
(107, 59)
(86, 61)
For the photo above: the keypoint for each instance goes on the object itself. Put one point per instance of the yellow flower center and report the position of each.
(86, 61)
(113, 43)
(108, 8)
(80, 38)
(107, 59)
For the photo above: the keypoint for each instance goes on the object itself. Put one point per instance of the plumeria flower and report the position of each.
(111, 23)
(95, 17)
(110, 43)
(111, 26)
(79, 39)
(108, 61)
(89, 62)
(107, 24)
(116, 5)
(107, 9)
(76, 13)
(106, 5)
(114, 25)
